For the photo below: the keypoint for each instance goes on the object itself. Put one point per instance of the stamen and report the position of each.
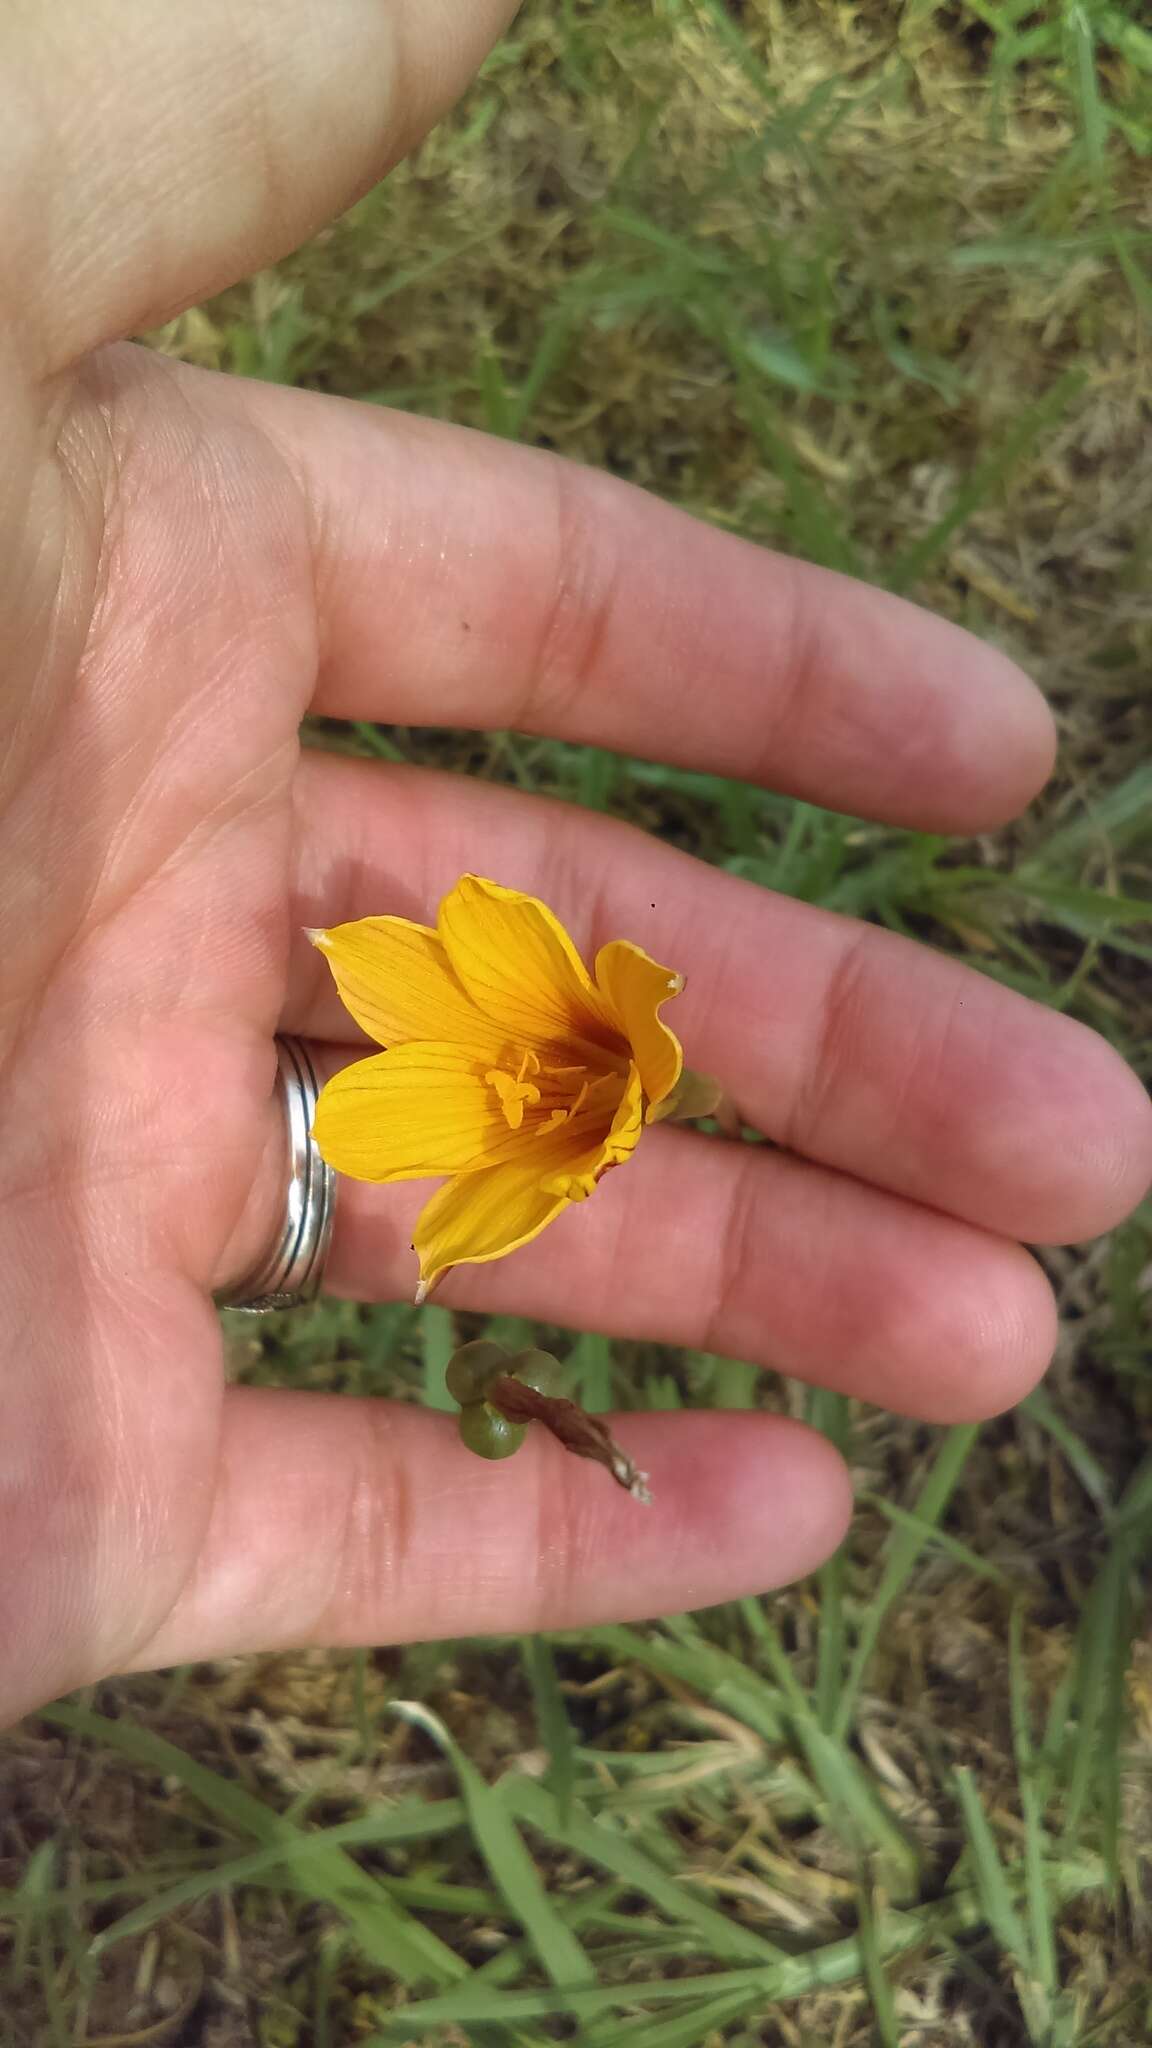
(514, 1096)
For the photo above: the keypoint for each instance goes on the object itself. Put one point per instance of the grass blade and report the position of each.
(991, 1882)
(438, 1342)
(31, 1898)
(854, 1806)
(904, 1551)
(265, 1865)
(602, 1843)
(589, 1373)
(875, 1975)
(1042, 1939)
(502, 1847)
(1103, 1649)
(836, 1963)
(1042, 1409)
(935, 1538)
(683, 2030)
(985, 479)
(551, 1720)
(389, 1936)
(718, 1677)
(1109, 820)
(830, 1414)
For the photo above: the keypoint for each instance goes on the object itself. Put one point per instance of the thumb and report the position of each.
(158, 153)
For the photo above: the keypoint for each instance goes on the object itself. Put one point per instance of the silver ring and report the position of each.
(293, 1271)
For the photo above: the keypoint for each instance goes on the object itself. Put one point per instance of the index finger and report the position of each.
(464, 581)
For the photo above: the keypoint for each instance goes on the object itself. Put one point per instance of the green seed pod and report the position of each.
(488, 1434)
(473, 1368)
(536, 1369)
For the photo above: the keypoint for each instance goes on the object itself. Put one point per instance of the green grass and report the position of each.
(872, 285)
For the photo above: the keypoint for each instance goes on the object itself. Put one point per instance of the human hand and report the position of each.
(188, 564)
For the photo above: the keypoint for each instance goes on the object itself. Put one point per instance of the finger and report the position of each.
(163, 152)
(839, 1040)
(341, 1521)
(462, 581)
(748, 1252)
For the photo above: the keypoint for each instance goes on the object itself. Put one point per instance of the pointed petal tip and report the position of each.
(317, 934)
(421, 1294)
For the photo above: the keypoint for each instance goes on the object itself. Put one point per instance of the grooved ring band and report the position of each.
(293, 1271)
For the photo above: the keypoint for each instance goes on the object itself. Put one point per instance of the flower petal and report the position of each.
(519, 966)
(406, 1114)
(633, 988)
(481, 1216)
(395, 979)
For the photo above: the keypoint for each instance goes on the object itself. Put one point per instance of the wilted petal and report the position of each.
(395, 979)
(634, 987)
(519, 966)
(409, 1113)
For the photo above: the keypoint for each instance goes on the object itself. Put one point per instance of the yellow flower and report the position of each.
(508, 1066)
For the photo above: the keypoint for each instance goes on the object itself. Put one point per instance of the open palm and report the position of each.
(190, 565)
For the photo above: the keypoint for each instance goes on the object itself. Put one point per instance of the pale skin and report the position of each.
(187, 564)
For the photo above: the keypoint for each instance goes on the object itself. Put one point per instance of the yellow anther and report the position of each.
(514, 1096)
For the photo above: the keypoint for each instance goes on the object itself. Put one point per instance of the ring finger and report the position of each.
(838, 1040)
